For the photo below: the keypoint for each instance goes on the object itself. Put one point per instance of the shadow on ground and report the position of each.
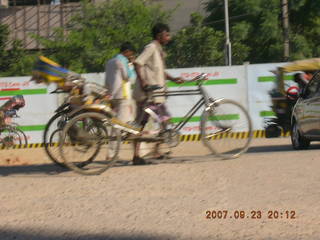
(279, 148)
(52, 169)
(48, 169)
(64, 235)
(275, 148)
(29, 235)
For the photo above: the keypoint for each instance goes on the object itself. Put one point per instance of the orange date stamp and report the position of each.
(251, 214)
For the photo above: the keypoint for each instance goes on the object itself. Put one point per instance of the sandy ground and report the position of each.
(170, 199)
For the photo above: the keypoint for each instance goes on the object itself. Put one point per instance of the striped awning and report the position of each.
(49, 70)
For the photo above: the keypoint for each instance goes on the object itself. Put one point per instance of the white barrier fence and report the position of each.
(246, 84)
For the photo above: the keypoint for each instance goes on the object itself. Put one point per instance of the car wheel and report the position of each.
(298, 141)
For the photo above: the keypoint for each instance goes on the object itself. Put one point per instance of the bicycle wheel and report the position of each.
(88, 145)
(11, 137)
(226, 129)
(51, 137)
(23, 137)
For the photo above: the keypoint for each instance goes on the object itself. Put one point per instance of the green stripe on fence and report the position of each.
(273, 78)
(32, 128)
(267, 114)
(24, 92)
(209, 82)
(218, 117)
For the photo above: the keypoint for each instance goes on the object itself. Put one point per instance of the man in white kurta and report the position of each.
(150, 68)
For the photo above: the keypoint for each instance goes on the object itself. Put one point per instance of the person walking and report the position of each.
(120, 75)
(150, 69)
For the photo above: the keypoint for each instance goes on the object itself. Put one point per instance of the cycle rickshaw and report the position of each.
(79, 97)
(89, 136)
(284, 95)
(225, 127)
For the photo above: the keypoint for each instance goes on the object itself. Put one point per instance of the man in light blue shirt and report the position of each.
(120, 75)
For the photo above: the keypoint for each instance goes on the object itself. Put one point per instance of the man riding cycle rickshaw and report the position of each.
(284, 95)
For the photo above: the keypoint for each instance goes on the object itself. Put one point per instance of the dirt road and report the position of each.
(272, 192)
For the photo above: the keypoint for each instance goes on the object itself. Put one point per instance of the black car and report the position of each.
(305, 120)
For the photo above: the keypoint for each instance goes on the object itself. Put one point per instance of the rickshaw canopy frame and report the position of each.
(311, 64)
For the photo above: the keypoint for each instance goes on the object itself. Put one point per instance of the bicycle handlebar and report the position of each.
(201, 77)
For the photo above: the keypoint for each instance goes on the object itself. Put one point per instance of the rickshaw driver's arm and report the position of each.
(173, 79)
(143, 83)
(66, 86)
(138, 69)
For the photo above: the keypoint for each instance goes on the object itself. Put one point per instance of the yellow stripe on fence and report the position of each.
(183, 138)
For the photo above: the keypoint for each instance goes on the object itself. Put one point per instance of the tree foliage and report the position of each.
(13, 60)
(96, 34)
(201, 45)
(196, 45)
(258, 25)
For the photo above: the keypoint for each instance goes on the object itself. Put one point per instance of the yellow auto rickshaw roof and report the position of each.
(311, 64)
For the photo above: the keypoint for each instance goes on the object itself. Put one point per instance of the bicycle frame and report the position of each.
(205, 100)
(160, 131)
(116, 123)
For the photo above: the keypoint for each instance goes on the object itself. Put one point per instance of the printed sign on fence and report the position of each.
(247, 84)
(39, 105)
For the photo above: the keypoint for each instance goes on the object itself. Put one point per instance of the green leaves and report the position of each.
(99, 30)
(13, 59)
(196, 45)
(96, 33)
(256, 28)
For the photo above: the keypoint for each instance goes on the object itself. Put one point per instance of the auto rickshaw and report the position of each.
(284, 96)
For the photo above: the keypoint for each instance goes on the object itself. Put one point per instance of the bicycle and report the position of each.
(10, 134)
(72, 106)
(47, 71)
(218, 125)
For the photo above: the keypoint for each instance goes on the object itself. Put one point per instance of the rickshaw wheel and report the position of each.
(273, 131)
